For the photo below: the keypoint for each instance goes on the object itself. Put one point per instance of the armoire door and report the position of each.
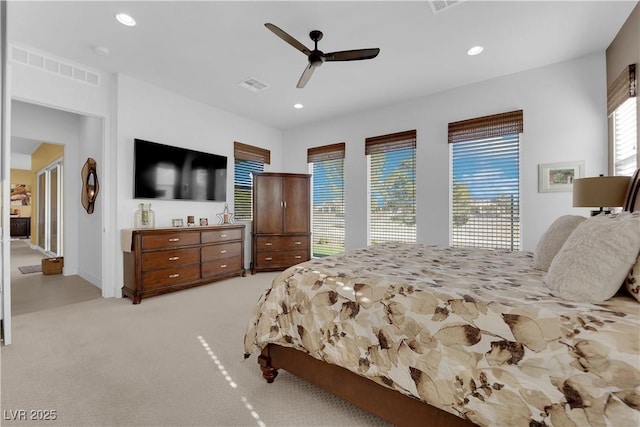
(268, 194)
(296, 204)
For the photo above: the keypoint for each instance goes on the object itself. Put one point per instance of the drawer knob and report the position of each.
(224, 251)
(174, 258)
(173, 276)
(175, 239)
(297, 243)
(223, 235)
(297, 257)
(223, 266)
(268, 258)
(268, 244)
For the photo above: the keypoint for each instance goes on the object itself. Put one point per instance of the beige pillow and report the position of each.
(552, 240)
(632, 282)
(592, 264)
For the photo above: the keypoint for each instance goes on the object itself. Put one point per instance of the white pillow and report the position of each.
(595, 259)
(552, 240)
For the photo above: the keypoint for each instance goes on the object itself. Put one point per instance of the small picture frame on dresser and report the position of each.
(177, 222)
(204, 221)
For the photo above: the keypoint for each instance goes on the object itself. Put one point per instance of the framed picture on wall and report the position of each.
(20, 195)
(558, 177)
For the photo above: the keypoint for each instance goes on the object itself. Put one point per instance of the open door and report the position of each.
(5, 168)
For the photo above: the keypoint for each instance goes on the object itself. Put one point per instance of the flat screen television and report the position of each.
(175, 173)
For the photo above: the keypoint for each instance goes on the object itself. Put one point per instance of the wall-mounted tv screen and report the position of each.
(174, 173)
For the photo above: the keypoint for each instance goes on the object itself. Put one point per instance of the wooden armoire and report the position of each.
(281, 220)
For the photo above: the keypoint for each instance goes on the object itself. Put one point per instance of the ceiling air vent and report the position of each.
(440, 5)
(253, 84)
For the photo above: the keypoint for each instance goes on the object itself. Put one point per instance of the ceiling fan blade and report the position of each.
(306, 75)
(352, 55)
(286, 37)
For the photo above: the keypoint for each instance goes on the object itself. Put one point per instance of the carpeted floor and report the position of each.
(173, 360)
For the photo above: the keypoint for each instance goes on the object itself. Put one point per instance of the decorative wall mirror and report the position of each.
(90, 186)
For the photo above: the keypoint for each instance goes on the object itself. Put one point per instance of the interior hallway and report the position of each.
(35, 291)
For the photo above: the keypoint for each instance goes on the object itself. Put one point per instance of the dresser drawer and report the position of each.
(170, 240)
(223, 235)
(284, 258)
(170, 258)
(278, 243)
(221, 266)
(221, 251)
(170, 276)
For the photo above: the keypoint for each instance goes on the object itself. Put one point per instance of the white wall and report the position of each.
(564, 120)
(148, 112)
(90, 226)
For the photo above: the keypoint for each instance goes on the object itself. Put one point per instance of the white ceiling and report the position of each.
(204, 49)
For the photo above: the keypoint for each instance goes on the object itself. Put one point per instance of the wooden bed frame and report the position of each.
(388, 404)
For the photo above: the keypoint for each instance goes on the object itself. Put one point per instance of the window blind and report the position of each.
(392, 187)
(249, 152)
(625, 139)
(485, 193)
(623, 88)
(248, 159)
(328, 198)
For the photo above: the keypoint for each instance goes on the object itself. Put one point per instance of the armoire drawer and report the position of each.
(280, 243)
(169, 258)
(281, 258)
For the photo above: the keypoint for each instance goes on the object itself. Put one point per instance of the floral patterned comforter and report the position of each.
(471, 331)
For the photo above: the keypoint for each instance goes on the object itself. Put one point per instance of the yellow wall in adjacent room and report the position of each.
(44, 155)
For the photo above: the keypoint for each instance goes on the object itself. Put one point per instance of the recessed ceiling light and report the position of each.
(475, 50)
(298, 106)
(125, 19)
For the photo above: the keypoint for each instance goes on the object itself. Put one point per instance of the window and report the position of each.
(625, 138)
(248, 159)
(622, 108)
(327, 169)
(485, 195)
(391, 163)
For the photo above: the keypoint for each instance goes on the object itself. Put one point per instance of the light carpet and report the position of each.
(173, 360)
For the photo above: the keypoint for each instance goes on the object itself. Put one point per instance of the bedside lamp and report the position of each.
(600, 191)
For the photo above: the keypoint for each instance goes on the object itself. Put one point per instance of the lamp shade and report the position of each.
(600, 191)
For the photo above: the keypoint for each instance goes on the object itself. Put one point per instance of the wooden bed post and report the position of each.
(269, 373)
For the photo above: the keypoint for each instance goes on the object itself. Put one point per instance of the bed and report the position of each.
(456, 336)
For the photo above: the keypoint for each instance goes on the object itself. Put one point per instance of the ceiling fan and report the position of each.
(317, 57)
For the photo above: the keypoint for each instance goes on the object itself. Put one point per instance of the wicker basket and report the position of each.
(52, 265)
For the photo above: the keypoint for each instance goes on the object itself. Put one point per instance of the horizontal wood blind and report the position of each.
(625, 138)
(243, 187)
(623, 88)
(326, 152)
(486, 127)
(249, 152)
(392, 187)
(391, 142)
(328, 206)
(486, 197)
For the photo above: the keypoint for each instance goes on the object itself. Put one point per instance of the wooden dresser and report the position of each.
(169, 259)
(281, 221)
